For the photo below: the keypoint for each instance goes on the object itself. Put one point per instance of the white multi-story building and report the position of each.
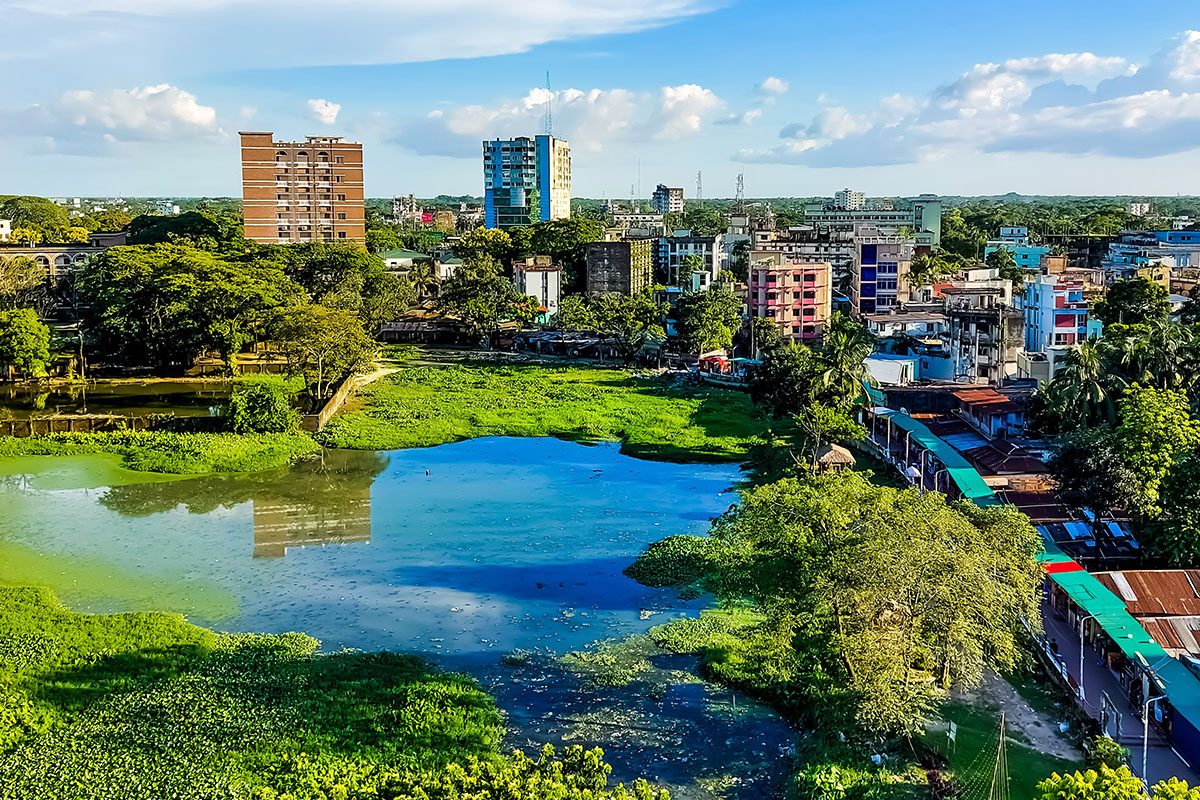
(539, 277)
(923, 217)
(5, 230)
(667, 200)
(849, 199)
(673, 251)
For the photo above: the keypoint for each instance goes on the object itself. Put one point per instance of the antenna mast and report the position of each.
(739, 197)
(549, 107)
(699, 189)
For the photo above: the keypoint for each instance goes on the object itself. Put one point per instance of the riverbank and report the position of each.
(651, 416)
(172, 453)
(147, 706)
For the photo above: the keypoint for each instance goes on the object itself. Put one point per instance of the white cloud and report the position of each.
(324, 111)
(773, 85)
(87, 120)
(127, 33)
(1069, 103)
(1184, 60)
(588, 119)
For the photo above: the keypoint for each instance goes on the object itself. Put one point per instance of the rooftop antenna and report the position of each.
(699, 188)
(739, 197)
(549, 107)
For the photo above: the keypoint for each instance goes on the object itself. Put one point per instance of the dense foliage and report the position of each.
(262, 404)
(627, 323)
(876, 601)
(708, 320)
(25, 342)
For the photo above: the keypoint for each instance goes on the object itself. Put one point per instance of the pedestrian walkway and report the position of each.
(1126, 725)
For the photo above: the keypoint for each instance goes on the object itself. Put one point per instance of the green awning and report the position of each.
(970, 484)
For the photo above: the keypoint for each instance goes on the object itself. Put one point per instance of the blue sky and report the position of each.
(145, 97)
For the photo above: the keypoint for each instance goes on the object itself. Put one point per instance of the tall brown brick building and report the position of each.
(310, 191)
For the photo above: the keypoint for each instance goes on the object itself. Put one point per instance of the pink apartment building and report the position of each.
(795, 293)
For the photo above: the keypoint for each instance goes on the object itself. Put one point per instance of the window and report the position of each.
(341, 215)
(322, 156)
(302, 156)
(870, 253)
(341, 197)
(338, 159)
(341, 234)
(281, 177)
(281, 197)
(337, 179)
(281, 155)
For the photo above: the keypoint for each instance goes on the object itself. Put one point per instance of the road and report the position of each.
(1162, 761)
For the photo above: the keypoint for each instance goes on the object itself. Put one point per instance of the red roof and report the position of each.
(1061, 566)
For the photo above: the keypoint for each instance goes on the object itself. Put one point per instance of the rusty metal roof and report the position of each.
(1156, 592)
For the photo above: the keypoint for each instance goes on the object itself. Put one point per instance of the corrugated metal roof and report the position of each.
(1156, 592)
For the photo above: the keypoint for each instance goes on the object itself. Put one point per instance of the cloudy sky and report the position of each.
(145, 97)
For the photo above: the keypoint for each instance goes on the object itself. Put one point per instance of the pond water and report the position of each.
(182, 398)
(463, 552)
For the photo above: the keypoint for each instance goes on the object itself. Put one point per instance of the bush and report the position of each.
(1108, 752)
(262, 404)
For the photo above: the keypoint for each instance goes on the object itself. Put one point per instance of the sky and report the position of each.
(146, 97)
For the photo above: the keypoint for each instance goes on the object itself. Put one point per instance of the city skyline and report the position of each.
(1039, 100)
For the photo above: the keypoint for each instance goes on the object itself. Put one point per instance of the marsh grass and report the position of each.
(650, 416)
(145, 706)
(172, 453)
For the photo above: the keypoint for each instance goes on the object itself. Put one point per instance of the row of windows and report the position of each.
(336, 178)
(308, 198)
(340, 215)
(303, 156)
(305, 233)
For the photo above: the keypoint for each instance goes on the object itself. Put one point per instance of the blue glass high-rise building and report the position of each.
(526, 180)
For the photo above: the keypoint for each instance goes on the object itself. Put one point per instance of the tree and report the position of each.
(823, 425)
(564, 240)
(424, 279)
(262, 404)
(47, 219)
(344, 276)
(490, 242)
(1083, 392)
(20, 280)
(76, 235)
(25, 342)
(1090, 469)
(784, 382)
(110, 220)
(1001, 259)
(1134, 301)
(191, 228)
(739, 263)
(1107, 751)
(900, 595)
(843, 358)
(26, 235)
(323, 345)
(927, 270)
(1098, 784)
(483, 298)
(708, 320)
(1174, 535)
(1156, 429)
(1190, 313)
(165, 304)
(627, 323)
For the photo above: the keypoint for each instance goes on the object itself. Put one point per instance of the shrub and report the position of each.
(1108, 752)
(262, 404)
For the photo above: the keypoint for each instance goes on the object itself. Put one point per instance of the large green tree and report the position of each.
(323, 345)
(1174, 535)
(1156, 430)
(22, 281)
(25, 342)
(47, 218)
(1134, 301)
(564, 240)
(480, 296)
(1091, 472)
(708, 320)
(888, 597)
(162, 305)
(491, 243)
(628, 324)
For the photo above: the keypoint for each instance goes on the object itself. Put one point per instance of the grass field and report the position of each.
(172, 453)
(425, 406)
(146, 706)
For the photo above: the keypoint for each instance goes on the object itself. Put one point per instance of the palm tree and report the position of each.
(424, 280)
(1085, 389)
(843, 368)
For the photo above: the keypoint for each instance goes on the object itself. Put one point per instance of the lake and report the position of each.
(464, 553)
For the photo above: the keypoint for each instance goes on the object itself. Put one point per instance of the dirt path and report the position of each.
(1024, 723)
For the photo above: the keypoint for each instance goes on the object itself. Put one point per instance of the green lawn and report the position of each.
(425, 406)
(146, 706)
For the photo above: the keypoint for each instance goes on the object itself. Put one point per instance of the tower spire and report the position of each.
(549, 107)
